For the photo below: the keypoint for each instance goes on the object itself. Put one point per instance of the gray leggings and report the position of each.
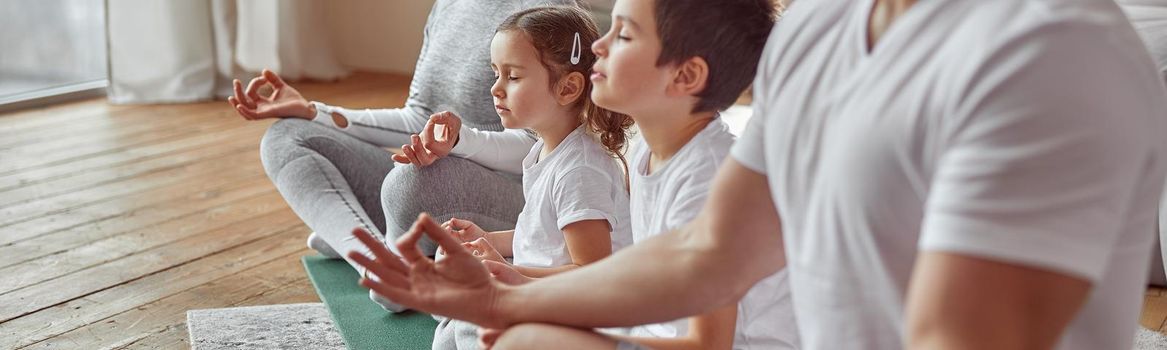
(336, 182)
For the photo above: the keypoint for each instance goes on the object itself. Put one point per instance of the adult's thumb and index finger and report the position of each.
(273, 78)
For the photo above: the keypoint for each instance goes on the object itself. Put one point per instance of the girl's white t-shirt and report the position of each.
(578, 181)
(672, 196)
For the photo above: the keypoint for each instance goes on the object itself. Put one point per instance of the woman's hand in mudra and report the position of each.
(435, 142)
(284, 101)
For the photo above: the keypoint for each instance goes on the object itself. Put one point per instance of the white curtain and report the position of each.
(190, 50)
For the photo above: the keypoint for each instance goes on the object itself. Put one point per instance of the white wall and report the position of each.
(378, 35)
(385, 35)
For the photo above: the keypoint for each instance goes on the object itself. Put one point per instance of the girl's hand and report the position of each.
(435, 142)
(284, 100)
(482, 250)
(464, 230)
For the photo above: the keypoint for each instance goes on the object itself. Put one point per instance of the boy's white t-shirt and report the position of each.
(671, 197)
(1024, 132)
(578, 181)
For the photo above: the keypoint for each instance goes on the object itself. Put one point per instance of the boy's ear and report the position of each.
(569, 88)
(691, 77)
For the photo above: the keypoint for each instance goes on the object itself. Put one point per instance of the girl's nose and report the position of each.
(496, 89)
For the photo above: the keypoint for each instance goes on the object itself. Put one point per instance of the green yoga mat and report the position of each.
(362, 323)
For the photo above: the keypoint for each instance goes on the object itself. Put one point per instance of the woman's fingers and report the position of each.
(423, 156)
(237, 86)
(273, 78)
(247, 113)
(400, 158)
(445, 117)
(253, 89)
(444, 142)
(431, 140)
(411, 154)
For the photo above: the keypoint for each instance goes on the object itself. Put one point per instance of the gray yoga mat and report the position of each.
(1146, 339)
(291, 326)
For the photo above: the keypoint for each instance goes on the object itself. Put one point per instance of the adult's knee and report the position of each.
(279, 143)
(404, 192)
(409, 190)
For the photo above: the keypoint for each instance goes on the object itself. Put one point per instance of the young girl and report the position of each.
(576, 209)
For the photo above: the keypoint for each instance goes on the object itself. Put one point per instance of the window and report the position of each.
(51, 48)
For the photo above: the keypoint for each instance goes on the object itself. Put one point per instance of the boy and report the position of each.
(663, 66)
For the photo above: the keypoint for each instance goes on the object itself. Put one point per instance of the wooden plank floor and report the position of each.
(116, 220)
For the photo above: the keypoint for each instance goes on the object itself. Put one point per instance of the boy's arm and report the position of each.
(714, 330)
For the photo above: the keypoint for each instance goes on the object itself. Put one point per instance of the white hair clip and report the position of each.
(576, 50)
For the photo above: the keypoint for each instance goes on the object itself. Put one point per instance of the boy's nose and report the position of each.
(600, 47)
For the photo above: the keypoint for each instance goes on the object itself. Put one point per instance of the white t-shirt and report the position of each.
(672, 196)
(577, 181)
(1149, 18)
(1028, 132)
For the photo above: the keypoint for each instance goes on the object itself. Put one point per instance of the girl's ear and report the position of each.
(690, 77)
(569, 88)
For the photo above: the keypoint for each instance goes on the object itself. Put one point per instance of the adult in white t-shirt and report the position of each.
(936, 174)
(1023, 134)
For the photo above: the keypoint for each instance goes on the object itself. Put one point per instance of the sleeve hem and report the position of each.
(748, 163)
(586, 214)
(468, 143)
(1013, 246)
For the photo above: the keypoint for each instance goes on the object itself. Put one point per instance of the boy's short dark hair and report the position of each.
(728, 34)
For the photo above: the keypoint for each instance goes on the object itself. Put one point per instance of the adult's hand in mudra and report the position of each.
(435, 142)
(284, 101)
(458, 286)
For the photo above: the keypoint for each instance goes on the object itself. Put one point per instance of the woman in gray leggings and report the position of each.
(330, 164)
